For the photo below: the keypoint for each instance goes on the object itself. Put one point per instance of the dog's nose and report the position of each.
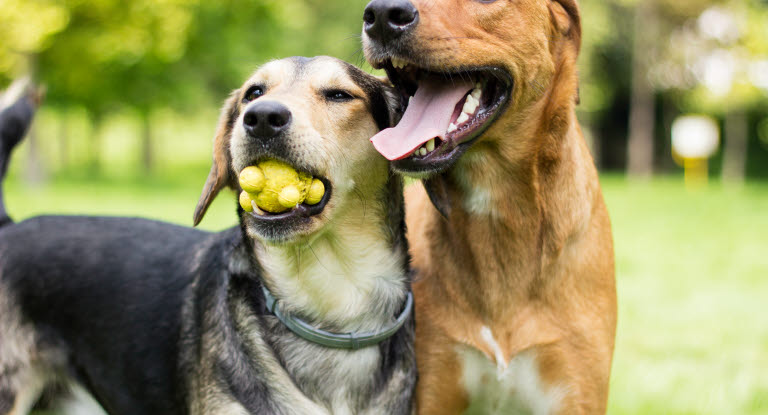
(387, 20)
(266, 119)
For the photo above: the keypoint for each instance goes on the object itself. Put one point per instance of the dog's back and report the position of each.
(99, 291)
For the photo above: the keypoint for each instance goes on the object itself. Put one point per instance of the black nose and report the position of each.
(266, 119)
(386, 20)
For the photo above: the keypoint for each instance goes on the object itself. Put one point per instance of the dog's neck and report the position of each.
(350, 277)
(509, 219)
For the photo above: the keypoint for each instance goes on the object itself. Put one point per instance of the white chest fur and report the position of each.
(508, 388)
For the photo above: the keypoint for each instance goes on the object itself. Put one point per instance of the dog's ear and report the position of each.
(385, 104)
(566, 20)
(221, 175)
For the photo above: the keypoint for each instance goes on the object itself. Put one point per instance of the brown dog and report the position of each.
(515, 292)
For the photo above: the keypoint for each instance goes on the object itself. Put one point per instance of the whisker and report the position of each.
(317, 258)
(362, 199)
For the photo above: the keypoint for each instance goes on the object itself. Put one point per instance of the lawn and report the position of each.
(692, 271)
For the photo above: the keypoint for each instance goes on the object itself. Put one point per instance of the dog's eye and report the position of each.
(338, 95)
(253, 93)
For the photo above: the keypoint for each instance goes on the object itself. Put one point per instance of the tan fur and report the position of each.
(527, 249)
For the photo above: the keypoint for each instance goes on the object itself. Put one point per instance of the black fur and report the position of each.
(109, 292)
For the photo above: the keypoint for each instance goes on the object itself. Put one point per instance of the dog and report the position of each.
(514, 269)
(303, 312)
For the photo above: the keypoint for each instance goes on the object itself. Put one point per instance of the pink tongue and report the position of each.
(428, 116)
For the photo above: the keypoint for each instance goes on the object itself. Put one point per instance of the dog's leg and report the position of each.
(440, 392)
(21, 400)
(21, 380)
(77, 401)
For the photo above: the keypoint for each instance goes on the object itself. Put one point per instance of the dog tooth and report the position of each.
(431, 145)
(476, 94)
(473, 108)
(479, 85)
(467, 109)
(463, 117)
(423, 151)
(452, 127)
(256, 209)
(470, 106)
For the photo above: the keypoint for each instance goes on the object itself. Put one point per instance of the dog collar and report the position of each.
(352, 341)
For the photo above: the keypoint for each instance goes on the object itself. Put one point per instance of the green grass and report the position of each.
(692, 271)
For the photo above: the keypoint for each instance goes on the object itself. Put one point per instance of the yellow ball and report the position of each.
(315, 193)
(252, 179)
(290, 196)
(245, 202)
(282, 188)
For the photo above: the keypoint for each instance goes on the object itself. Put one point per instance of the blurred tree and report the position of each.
(720, 67)
(653, 23)
(115, 54)
(642, 63)
(106, 55)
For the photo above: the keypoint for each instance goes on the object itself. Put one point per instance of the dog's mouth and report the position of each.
(443, 113)
(301, 211)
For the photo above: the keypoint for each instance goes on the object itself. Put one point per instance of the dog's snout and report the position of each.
(387, 20)
(266, 119)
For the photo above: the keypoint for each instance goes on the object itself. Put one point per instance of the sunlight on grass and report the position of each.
(691, 271)
(691, 268)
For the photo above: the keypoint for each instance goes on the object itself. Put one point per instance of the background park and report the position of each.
(134, 88)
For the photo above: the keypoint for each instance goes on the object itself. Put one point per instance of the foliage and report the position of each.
(145, 57)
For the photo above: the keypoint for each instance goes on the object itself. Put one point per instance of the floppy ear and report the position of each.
(567, 24)
(221, 175)
(567, 19)
(386, 106)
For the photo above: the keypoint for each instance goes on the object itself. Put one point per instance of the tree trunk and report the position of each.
(147, 156)
(735, 149)
(63, 138)
(34, 169)
(664, 161)
(94, 163)
(642, 106)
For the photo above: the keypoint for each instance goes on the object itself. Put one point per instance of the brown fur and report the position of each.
(536, 266)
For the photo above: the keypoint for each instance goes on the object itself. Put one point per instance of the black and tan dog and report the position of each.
(514, 277)
(153, 318)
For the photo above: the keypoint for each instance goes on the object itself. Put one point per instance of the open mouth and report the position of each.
(443, 113)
